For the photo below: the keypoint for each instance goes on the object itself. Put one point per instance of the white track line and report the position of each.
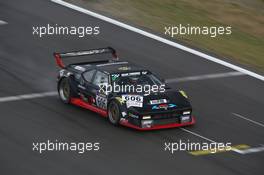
(158, 38)
(2, 22)
(204, 77)
(52, 93)
(252, 121)
(198, 135)
(251, 150)
(210, 140)
(27, 96)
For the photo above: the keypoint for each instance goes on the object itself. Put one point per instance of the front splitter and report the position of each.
(157, 127)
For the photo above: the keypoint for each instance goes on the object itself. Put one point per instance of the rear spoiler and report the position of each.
(60, 56)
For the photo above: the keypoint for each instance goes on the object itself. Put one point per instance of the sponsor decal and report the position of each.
(185, 118)
(130, 74)
(159, 101)
(115, 76)
(164, 106)
(121, 101)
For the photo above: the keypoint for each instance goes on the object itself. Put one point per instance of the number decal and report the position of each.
(133, 100)
(101, 101)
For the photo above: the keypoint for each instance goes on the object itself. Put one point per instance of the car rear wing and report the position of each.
(60, 56)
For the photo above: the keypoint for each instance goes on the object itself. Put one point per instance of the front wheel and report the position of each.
(114, 112)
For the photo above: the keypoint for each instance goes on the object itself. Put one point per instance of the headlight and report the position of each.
(186, 112)
(146, 117)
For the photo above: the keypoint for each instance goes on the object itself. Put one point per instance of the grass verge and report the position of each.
(244, 46)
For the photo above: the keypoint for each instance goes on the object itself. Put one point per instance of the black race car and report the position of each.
(124, 93)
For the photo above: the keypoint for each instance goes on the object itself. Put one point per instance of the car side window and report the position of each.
(100, 78)
(88, 75)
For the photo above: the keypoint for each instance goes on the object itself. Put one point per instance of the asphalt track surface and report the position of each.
(27, 66)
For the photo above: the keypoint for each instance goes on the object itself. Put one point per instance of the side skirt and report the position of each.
(81, 103)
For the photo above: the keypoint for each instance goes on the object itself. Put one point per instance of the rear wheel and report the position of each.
(65, 91)
(114, 112)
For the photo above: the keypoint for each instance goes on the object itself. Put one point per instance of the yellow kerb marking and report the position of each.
(212, 151)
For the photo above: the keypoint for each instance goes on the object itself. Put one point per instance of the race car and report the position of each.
(92, 84)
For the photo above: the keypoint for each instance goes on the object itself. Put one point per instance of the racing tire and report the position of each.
(65, 91)
(114, 113)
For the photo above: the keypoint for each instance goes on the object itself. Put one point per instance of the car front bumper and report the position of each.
(157, 126)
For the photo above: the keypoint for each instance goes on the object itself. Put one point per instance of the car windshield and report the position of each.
(135, 79)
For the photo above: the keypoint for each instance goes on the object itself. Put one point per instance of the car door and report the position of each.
(99, 82)
(86, 87)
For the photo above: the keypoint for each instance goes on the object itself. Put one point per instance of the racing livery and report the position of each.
(80, 84)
